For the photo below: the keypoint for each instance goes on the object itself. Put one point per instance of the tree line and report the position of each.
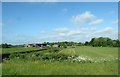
(95, 42)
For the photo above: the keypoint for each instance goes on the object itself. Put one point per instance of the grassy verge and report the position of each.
(59, 68)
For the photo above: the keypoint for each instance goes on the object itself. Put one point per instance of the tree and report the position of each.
(5, 45)
(116, 43)
(109, 42)
(92, 41)
(104, 41)
(86, 43)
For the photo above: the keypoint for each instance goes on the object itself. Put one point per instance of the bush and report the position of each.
(46, 57)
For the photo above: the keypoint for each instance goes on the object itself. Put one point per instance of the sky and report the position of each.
(60, 0)
(0, 22)
(37, 22)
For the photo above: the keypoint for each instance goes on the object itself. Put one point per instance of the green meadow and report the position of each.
(93, 52)
(88, 61)
(15, 49)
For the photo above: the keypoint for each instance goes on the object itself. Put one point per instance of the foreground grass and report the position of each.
(109, 66)
(0, 69)
(58, 68)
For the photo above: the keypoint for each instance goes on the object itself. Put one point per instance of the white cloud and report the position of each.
(66, 34)
(83, 34)
(93, 28)
(61, 30)
(86, 17)
(74, 32)
(107, 30)
(116, 21)
(96, 22)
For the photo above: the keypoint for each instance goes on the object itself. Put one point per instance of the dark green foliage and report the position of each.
(86, 43)
(65, 46)
(60, 56)
(116, 43)
(46, 57)
(103, 42)
(50, 54)
(5, 45)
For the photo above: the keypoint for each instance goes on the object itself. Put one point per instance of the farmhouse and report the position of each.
(40, 45)
(36, 45)
(29, 45)
(43, 45)
(56, 45)
(48, 46)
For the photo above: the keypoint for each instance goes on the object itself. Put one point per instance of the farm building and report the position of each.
(55, 45)
(29, 45)
(36, 45)
(43, 45)
(48, 46)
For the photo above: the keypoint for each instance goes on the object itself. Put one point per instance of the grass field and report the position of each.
(96, 53)
(107, 67)
(12, 50)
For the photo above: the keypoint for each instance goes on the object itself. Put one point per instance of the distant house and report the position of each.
(43, 45)
(48, 46)
(29, 45)
(37, 45)
(56, 45)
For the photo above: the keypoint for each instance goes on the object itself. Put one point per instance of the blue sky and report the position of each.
(60, 0)
(36, 22)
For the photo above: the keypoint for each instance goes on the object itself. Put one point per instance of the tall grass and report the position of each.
(59, 68)
(0, 69)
